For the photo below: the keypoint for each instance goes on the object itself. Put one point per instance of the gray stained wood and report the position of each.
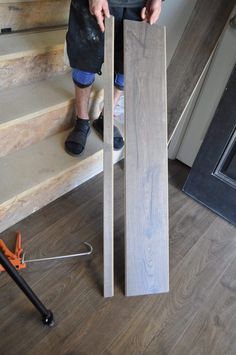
(146, 168)
(192, 54)
(197, 317)
(108, 187)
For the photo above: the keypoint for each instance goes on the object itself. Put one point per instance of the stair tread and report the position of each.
(27, 101)
(19, 44)
(33, 165)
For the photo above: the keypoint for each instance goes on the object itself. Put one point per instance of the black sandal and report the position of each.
(76, 140)
(118, 139)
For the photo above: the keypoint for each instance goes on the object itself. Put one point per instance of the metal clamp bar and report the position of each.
(47, 316)
(89, 246)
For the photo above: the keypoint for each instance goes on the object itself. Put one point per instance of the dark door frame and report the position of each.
(210, 181)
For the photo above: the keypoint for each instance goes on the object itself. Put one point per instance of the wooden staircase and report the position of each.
(37, 109)
(24, 15)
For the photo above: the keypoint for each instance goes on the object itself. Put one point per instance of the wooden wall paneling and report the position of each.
(35, 14)
(108, 187)
(175, 16)
(210, 95)
(185, 118)
(200, 37)
(146, 169)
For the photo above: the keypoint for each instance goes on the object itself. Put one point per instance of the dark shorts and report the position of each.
(85, 41)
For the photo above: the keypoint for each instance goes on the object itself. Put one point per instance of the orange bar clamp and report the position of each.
(14, 258)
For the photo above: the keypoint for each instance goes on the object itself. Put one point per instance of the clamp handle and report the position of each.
(14, 258)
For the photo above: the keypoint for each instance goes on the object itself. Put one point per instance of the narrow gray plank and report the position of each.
(108, 217)
(146, 168)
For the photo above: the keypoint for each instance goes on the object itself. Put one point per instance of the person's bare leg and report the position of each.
(82, 102)
(117, 95)
(98, 124)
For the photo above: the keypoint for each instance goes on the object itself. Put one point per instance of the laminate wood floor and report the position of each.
(198, 316)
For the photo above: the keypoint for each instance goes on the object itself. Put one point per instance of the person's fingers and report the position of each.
(143, 13)
(106, 10)
(92, 8)
(101, 24)
(154, 16)
(153, 19)
(99, 16)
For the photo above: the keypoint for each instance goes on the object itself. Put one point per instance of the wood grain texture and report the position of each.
(18, 45)
(28, 15)
(28, 57)
(181, 129)
(146, 189)
(33, 177)
(212, 331)
(30, 131)
(210, 95)
(108, 187)
(35, 99)
(160, 322)
(31, 68)
(40, 110)
(192, 54)
(191, 288)
(196, 317)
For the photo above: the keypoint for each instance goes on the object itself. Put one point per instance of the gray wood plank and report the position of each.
(108, 188)
(146, 162)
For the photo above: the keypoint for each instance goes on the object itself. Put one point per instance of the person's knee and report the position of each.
(82, 79)
(119, 81)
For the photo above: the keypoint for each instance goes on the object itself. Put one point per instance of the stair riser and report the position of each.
(24, 132)
(33, 199)
(33, 67)
(27, 15)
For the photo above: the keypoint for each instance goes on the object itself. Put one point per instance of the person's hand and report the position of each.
(151, 12)
(99, 9)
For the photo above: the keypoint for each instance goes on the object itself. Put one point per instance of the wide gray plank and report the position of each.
(146, 168)
(108, 187)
